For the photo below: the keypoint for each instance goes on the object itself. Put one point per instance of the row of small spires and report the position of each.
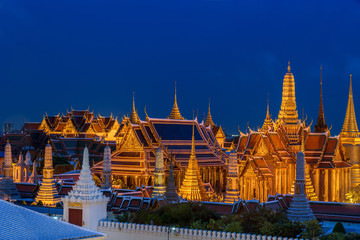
(350, 127)
(174, 114)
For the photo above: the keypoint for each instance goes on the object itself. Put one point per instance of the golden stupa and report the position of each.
(192, 187)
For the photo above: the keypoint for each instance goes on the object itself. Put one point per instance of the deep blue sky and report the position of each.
(58, 54)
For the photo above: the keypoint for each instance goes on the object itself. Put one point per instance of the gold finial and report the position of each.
(268, 103)
(175, 112)
(320, 74)
(209, 121)
(134, 118)
(288, 66)
(350, 91)
(133, 100)
(175, 102)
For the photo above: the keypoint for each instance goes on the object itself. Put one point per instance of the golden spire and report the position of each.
(268, 120)
(175, 112)
(288, 112)
(134, 118)
(321, 125)
(192, 187)
(209, 121)
(289, 68)
(350, 128)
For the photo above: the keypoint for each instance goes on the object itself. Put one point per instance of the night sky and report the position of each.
(55, 55)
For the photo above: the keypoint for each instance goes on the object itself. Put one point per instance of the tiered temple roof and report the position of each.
(137, 143)
(261, 148)
(68, 134)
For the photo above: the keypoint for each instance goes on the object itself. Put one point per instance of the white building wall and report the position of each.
(93, 212)
(132, 231)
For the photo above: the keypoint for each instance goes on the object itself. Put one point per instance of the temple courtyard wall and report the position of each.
(133, 231)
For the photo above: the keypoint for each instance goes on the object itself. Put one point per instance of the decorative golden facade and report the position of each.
(80, 123)
(267, 157)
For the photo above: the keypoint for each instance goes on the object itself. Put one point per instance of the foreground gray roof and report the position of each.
(20, 223)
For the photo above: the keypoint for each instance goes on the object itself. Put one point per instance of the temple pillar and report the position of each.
(126, 180)
(212, 178)
(241, 187)
(326, 178)
(287, 180)
(221, 181)
(135, 179)
(278, 190)
(317, 184)
(266, 190)
(333, 185)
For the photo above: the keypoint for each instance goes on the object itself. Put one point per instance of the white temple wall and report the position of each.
(132, 231)
(93, 213)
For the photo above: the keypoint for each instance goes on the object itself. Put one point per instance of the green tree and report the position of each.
(178, 214)
(339, 228)
(234, 227)
(198, 224)
(352, 236)
(333, 236)
(123, 217)
(40, 203)
(312, 230)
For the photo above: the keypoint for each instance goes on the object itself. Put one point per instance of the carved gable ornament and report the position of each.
(131, 142)
(262, 149)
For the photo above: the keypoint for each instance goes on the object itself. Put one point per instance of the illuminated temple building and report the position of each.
(267, 156)
(253, 165)
(133, 160)
(68, 135)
